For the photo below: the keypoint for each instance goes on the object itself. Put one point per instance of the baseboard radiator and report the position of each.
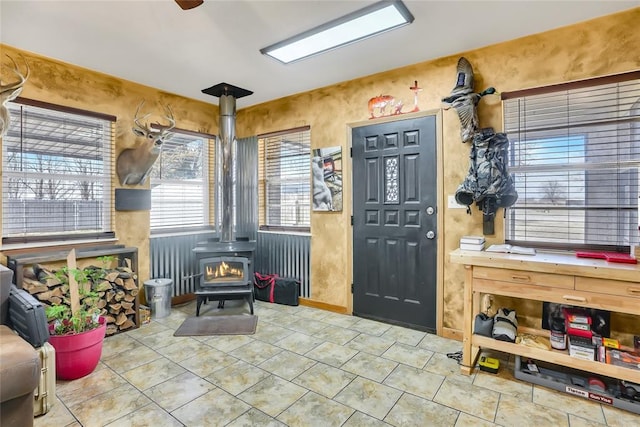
(172, 258)
(286, 255)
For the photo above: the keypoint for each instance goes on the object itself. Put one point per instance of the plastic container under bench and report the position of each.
(604, 390)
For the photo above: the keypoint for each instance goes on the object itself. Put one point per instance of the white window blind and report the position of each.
(575, 154)
(287, 171)
(179, 183)
(57, 168)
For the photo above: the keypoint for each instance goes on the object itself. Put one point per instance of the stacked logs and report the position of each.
(116, 288)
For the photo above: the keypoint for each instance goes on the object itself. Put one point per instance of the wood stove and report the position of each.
(226, 271)
(226, 264)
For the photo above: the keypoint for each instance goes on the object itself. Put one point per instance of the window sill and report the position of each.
(38, 245)
(295, 233)
(156, 234)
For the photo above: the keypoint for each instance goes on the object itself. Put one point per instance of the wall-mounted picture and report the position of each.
(326, 168)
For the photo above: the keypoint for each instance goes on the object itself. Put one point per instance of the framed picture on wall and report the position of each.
(326, 169)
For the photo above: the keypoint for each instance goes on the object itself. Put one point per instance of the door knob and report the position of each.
(430, 234)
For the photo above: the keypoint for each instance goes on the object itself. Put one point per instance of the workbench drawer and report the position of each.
(607, 286)
(524, 277)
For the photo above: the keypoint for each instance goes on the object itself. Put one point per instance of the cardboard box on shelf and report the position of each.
(581, 348)
(627, 359)
(610, 342)
(576, 315)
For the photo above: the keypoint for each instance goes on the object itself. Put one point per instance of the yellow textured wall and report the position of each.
(603, 46)
(68, 85)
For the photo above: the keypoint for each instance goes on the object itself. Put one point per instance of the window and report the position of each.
(285, 170)
(575, 154)
(179, 182)
(57, 168)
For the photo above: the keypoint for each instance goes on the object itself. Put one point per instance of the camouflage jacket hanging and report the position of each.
(488, 182)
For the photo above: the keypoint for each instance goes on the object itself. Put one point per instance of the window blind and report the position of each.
(286, 176)
(575, 154)
(179, 182)
(57, 168)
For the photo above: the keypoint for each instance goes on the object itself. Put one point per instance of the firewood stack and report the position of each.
(117, 291)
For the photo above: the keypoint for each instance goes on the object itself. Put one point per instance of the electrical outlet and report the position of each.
(453, 204)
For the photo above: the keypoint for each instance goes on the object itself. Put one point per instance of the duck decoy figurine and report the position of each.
(465, 100)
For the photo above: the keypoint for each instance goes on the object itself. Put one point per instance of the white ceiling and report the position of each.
(155, 43)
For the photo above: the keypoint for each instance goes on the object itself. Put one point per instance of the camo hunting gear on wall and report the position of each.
(488, 182)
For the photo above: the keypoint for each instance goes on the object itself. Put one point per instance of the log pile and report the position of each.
(117, 291)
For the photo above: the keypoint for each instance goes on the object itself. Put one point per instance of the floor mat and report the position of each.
(218, 325)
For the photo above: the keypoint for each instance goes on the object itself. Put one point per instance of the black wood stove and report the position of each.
(226, 264)
(226, 271)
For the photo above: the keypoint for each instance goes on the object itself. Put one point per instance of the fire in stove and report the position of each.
(223, 271)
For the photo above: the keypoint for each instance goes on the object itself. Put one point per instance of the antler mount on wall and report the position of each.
(10, 91)
(133, 164)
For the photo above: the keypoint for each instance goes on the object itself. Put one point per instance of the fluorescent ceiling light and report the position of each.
(370, 21)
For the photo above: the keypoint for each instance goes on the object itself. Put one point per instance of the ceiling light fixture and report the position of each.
(361, 24)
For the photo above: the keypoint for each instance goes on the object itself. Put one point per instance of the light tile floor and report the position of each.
(304, 367)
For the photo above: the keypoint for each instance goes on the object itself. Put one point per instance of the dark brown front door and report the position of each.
(394, 225)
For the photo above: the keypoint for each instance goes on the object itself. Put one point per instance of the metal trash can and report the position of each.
(158, 294)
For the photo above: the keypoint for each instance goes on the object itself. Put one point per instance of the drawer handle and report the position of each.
(523, 278)
(635, 291)
(572, 298)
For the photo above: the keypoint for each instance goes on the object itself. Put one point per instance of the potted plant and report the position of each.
(76, 329)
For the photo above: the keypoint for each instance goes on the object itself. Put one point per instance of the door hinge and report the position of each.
(351, 219)
(350, 151)
(352, 288)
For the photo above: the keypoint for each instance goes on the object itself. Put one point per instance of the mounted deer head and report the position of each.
(9, 92)
(133, 164)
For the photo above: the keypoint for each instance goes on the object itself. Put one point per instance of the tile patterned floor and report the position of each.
(304, 367)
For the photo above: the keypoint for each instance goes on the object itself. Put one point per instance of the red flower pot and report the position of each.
(78, 355)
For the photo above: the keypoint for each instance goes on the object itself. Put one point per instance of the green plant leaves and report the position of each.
(60, 316)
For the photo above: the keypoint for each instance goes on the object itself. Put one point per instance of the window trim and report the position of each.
(263, 182)
(196, 229)
(64, 109)
(557, 88)
(291, 229)
(575, 84)
(66, 237)
(208, 182)
(284, 132)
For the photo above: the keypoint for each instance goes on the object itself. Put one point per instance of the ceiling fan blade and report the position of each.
(189, 4)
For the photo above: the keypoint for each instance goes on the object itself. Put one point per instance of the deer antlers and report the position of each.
(10, 91)
(141, 129)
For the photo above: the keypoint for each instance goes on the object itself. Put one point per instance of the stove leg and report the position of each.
(198, 306)
(250, 300)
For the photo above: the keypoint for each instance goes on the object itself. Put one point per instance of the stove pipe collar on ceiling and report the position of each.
(227, 105)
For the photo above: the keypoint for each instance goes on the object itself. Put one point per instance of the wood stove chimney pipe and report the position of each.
(228, 95)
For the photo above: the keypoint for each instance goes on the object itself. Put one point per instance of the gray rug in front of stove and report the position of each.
(237, 324)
